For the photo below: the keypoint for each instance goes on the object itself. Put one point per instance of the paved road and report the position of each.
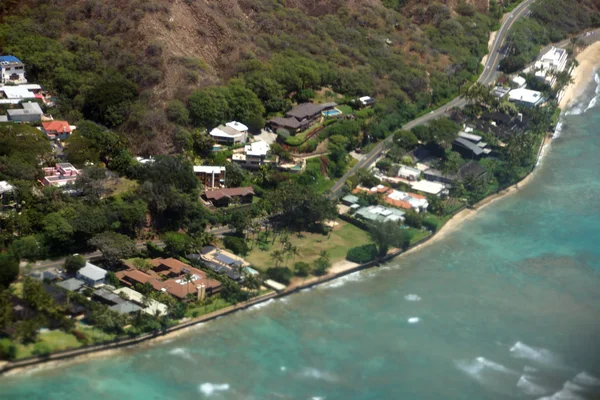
(487, 77)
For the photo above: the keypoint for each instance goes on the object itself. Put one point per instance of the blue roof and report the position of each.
(9, 59)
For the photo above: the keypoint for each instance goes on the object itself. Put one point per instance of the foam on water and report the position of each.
(585, 379)
(568, 392)
(539, 355)
(530, 388)
(597, 80)
(476, 367)
(208, 389)
(282, 368)
(315, 373)
(412, 297)
(181, 352)
(353, 277)
(261, 305)
(591, 104)
(557, 130)
(413, 320)
(575, 110)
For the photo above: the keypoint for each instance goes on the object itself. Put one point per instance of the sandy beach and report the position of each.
(583, 74)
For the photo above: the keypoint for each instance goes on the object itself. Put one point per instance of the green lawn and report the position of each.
(94, 334)
(310, 245)
(55, 340)
(323, 183)
(197, 311)
(300, 137)
(346, 109)
(418, 235)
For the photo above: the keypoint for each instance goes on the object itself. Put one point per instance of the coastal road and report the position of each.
(487, 77)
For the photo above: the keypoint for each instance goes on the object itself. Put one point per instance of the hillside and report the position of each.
(120, 63)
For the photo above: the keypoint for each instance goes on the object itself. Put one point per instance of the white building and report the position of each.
(409, 173)
(366, 101)
(254, 155)
(31, 112)
(518, 82)
(526, 97)
(153, 307)
(92, 275)
(12, 70)
(429, 187)
(230, 133)
(16, 94)
(211, 176)
(552, 62)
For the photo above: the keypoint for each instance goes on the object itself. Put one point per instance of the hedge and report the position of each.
(362, 254)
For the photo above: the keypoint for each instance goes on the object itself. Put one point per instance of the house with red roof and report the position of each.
(57, 129)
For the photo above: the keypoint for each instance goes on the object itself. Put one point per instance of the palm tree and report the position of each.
(277, 256)
(187, 279)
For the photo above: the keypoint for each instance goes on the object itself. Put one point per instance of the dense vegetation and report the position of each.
(550, 21)
(92, 55)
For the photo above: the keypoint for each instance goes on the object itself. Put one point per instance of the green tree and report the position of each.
(9, 270)
(202, 141)
(235, 175)
(28, 247)
(178, 244)
(302, 268)
(405, 139)
(114, 246)
(209, 107)
(109, 100)
(177, 112)
(74, 263)
(388, 234)
(322, 264)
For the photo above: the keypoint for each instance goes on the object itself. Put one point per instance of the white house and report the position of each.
(366, 101)
(230, 133)
(552, 62)
(518, 82)
(92, 275)
(526, 97)
(211, 176)
(429, 187)
(409, 173)
(254, 155)
(16, 94)
(12, 70)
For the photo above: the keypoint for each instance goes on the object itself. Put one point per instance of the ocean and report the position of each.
(505, 307)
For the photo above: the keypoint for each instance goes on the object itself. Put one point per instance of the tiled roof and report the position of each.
(229, 192)
(56, 126)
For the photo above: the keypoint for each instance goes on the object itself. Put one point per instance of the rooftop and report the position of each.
(525, 96)
(225, 131)
(17, 92)
(228, 192)
(238, 126)
(92, 272)
(208, 169)
(71, 285)
(9, 59)
(470, 136)
(380, 213)
(259, 148)
(351, 199)
(125, 307)
(6, 187)
(471, 169)
(57, 126)
(476, 150)
(287, 122)
(28, 108)
(426, 186)
(304, 110)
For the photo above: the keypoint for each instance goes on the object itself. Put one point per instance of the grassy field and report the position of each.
(55, 340)
(197, 311)
(310, 245)
(418, 235)
(346, 109)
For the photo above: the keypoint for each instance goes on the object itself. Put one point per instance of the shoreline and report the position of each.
(582, 75)
(589, 59)
(338, 270)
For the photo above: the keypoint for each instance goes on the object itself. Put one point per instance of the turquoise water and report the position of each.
(507, 307)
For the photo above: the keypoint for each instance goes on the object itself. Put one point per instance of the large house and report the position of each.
(210, 176)
(57, 129)
(470, 146)
(223, 262)
(526, 97)
(172, 276)
(61, 174)
(231, 133)
(224, 197)
(12, 70)
(253, 156)
(16, 94)
(31, 112)
(300, 117)
(471, 169)
(551, 63)
(379, 214)
(92, 275)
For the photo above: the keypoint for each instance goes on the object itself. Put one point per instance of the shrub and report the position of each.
(8, 350)
(431, 223)
(413, 219)
(280, 274)
(362, 254)
(41, 349)
(301, 268)
(74, 263)
(237, 245)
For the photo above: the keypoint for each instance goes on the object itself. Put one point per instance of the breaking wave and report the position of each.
(413, 320)
(412, 297)
(539, 355)
(591, 104)
(585, 379)
(181, 352)
(530, 388)
(261, 305)
(208, 389)
(314, 373)
(476, 367)
(557, 130)
(353, 277)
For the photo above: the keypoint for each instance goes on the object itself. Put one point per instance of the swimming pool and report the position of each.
(331, 113)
